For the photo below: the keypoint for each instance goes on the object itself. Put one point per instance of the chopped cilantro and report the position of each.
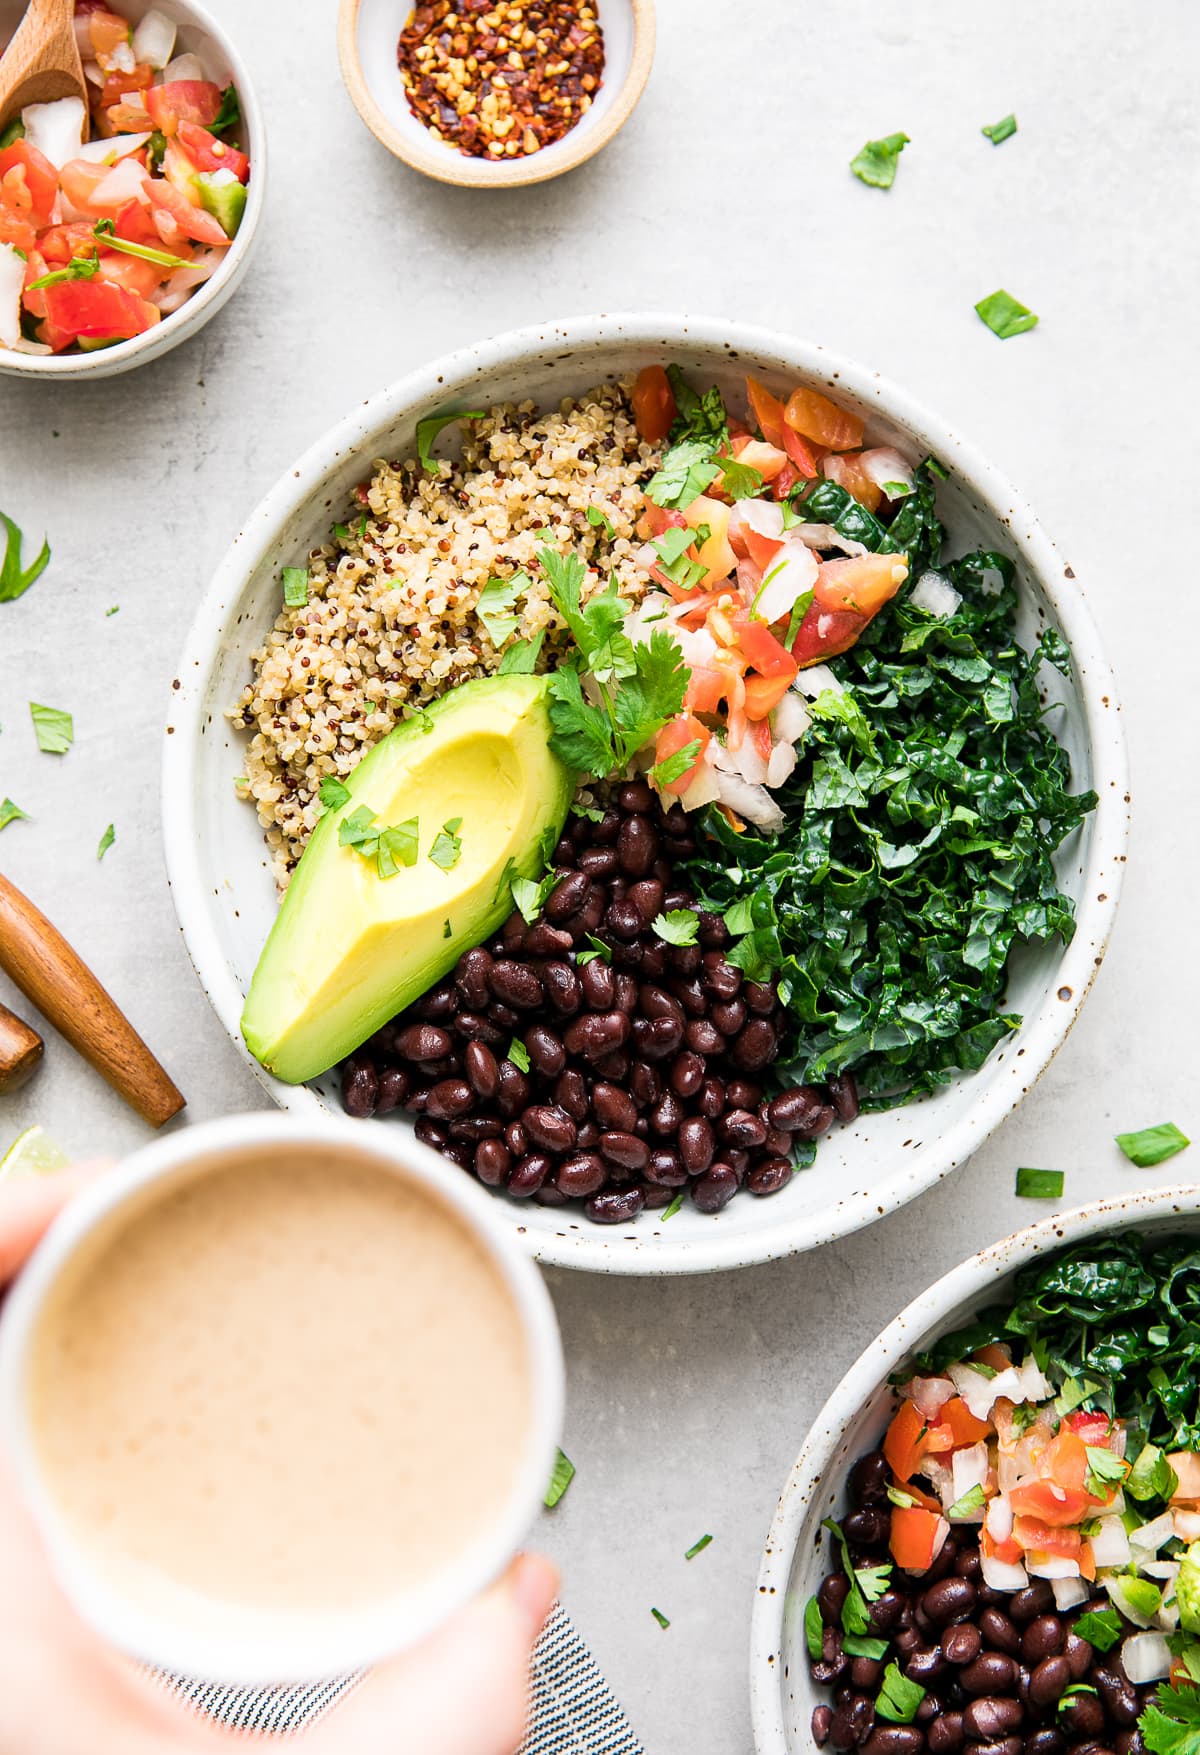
(105, 232)
(447, 845)
(1004, 315)
(672, 768)
(876, 163)
(447, 929)
(1171, 1726)
(800, 609)
(529, 895)
(741, 481)
(332, 794)
(857, 1645)
(9, 813)
(1101, 1628)
(1153, 1145)
(106, 841)
(966, 1505)
(697, 1547)
(1040, 1184)
(518, 1054)
(814, 1630)
(429, 428)
(687, 469)
(14, 131)
(898, 1698)
(54, 729)
(78, 268)
(670, 1211)
(660, 1618)
(505, 880)
(15, 580)
(1151, 1476)
(598, 949)
(390, 847)
(113, 610)
(600, 521)
(998, 131)
(561, 1478)
(679, 927)
(295, 587)
(230, 112)
(520, 658)
(1104, 1470)
(495, 605)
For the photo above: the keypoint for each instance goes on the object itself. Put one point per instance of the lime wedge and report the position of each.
(32, 1153)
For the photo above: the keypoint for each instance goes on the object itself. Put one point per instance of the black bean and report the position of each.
(760, 998)
(625, 993)
(715, 1189)
(647, 897)
(613, 1107)
(666, 1168)
(962, 1644)
(637, 846)
(999, 1632)
(991, 1717)
(516, 985)
(866, 1673)
(599, 984)
(360, 1087)
(493, 1161)
(471, 978)
(567, 897)
(832, 1592)
(528, 1174)
(571, 1094)
(581, 1174)
(504, 1016)
(720, 980)
(645, 1085)
(690, 995)
(654, 961)
(777, 1143)
(597, 1033)
(843, 1094)
(951, 1599)
(754, 1047)
(868, 1526)
(604, 833)
(945, 1735)
(769, 1175)
(703, 1037)
(1043, 1637)
(667, 1113)
(925, 1664)
(440, 1003)
(599, 862)
(967, 1565)
(686, 1074)
(635, 797)
(1118, 1695)
(795, 1109)
(431, 1133)
(393, 1089)
(516, 1139)
(588, 1136)
(513, 1094)
(656, 1038)
(545, 1050)
(894, 1740)
(543, 940)
(625, 1150)
(1047, 1741)
(1049, 1680)
(1078, 1654)
(450, 1098)
(459, 1152)
(423, 1042)
(852, 1722)
(739, 1127)
(742, 1093)
(564, 991)
(711, 930)
(1036, 1599)
(549, 1127)
(622, 919)
(1082, 1716)
(822, 1718)
(728, 1015)
(992, 1672)
(474, 1027)
(697, 1145)
(512, 935)
(483, 1074)
(476, 1128)
(615, 1206)
(869, 1480)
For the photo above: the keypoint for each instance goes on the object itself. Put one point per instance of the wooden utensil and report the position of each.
(43, 965)
(42, 62)
(21, 1049)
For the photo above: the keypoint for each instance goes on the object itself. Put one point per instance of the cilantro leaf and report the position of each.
(560, 1479)
(106, 841)
(814, 1629)
(429, 428)
(600, 520)
(78, 268)
(675, 1206)
(679, 927)
(686, 470)
(876, 163)
(898, 1698)
(230, 112)
(295, 587)
(1151, 1476)
(447, 845)
(672, 768)
(10, 813)
(331, 792)
(1171, 1726)
(521, 657)
(741, 481)
(652, 695)
(1004, 315)
(358, 828)
(495, 605)
(15, 580)
(1040, 1184)
(660, 1618)
(581, 734)
(998, 131)
(54, 729)
(1153, 1145)
(518, 1054)
(967, 1504)
(529, 896)
(398, 845)
(598, 948)
(1101, 1628)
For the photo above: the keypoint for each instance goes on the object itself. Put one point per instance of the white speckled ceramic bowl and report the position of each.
(224, 894)
(854, 1419)
(200, 34)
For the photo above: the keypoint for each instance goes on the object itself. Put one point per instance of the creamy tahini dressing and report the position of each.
(296, 1384)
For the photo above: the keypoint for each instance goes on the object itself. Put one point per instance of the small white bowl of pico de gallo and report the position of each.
(126, 223)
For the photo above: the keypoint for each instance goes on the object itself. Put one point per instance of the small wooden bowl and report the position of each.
(368, 37)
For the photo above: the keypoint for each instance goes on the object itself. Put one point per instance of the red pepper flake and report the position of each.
(501, 79)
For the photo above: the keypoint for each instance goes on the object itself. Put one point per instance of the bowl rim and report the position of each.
(596, 1248)
(472, 173)
(971, 1279)
(207, 301)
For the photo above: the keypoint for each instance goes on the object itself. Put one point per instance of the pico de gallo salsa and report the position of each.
(112, 215)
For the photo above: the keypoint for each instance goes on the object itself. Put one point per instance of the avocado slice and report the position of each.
(224, 197)
(348, 948)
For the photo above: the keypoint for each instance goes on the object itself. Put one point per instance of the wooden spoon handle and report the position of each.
(21, 1049)
(43, 965)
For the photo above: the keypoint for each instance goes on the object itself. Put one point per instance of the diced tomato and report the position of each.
(35, 268)
(762, 694)
(705, 689)
(929, 1500)
(134, 223)
(915, 1536)
(714, 554)
(763, 652)
(94, 309)
(655, 519)
(1009, 1550)
(768, 412)
(108, 32)
(964, 1427)
(1093, 1428)
(1087, 1561)
(824, 633)
(16, 230)
(117, 84)
(1049, 1504)
(174, 214)
(62, 242)
(131, 272)
(761, 737)
(861, 585)
(802, 457)
(653, 404)
(1037, 1537)
(769, 460)
(785, 481)
(994, 1356)
(904, 1445)
(80, 179)
(675, 735)
(208, 153)
(815, 417)
(183, 100)
(28, 182)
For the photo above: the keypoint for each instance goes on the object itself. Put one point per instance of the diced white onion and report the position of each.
(980, 1391)
(1052, 1566)
(1002, 1574)
(781, 764)
(791, 720)
(56, 129)
(763, 517)
(969, 1468)
(1164, 1569)
(825, 536)
(12, 282)
(154, 39)
(1148, 1538)
(1115, 1586)
(1146, 1658)
(752, 802)
(935, 595)
(745, 761)
(999, 1518)
(121, 59)
(703, 789)
(815, 679)
(183, 67)
(1033, 1382)
(929, 1393)
(789, 573)
(24, 346)
(885, 464)
(125, 182)
(92, 70)
(1069, 1592)
(107, 152)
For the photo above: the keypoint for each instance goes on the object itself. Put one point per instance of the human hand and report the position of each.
(63, 1692)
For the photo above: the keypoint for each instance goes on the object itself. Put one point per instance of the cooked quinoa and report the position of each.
(390, 621)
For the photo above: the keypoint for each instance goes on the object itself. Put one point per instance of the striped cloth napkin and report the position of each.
(571, 1709)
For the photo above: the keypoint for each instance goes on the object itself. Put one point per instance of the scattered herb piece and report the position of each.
(998, 131)
(1153, 1145)
(687, 469)
(672, 768)
(398, 845)
(876, 163)
(106, 841)
(898, 1496)
(598, 948)
(495, 606)
(1101, 1628)
(54, 729)
(230, 112)
(505, 880)
(518, 1054)
(1171, 1726)
(9, 813)
(660, 1618)
(858, 1645)
(521, 657)
(814, 1630)
(105, 232)
(447, 929)
(898, 1698)
(697, 1547)
(78, 268)
(1040, 1184)
(420, 716)
(295, 587)
(590, 812)
(740, 481)
(673, 1207)
(1151, 1476)
(680, 927)
(113, 610)
(15, 580)
(357, 828)
(1104, 1470)
(562, 1475)
(1004, 315)
(429, 428)
(600, 521)
(332, 794)
(13, 132)
(967, 1505)
(529, 896)
(447, 845)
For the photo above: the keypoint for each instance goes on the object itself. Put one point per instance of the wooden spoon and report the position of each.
(42, 62)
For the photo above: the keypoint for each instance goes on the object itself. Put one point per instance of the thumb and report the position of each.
(464, 1691)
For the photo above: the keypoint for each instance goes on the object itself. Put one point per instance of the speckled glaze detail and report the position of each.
(201, 33)
(782, 1694)
(217, 864)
